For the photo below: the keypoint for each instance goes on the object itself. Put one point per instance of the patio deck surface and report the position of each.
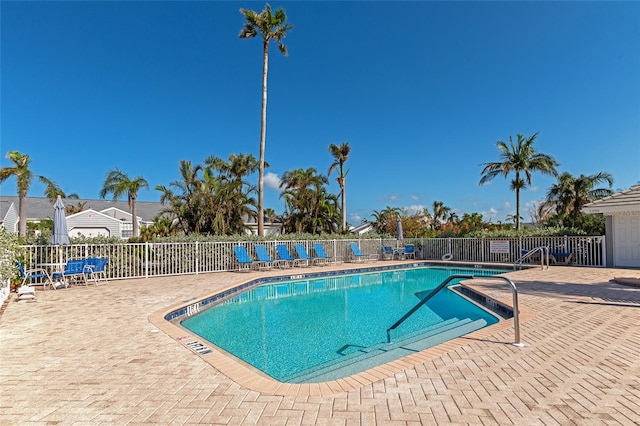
(93, 356)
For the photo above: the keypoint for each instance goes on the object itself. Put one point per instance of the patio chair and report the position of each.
(561, 258)
(73, 272)
(358, 256)
(323, 256)
(244, 261)
(285, 255)
(94, 269)
(265, 260)
(301, 251)
(533, 258)
(35, 276)
(409, 251)
(388, 253)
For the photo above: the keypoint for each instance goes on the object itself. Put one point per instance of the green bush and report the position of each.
(527, 232)
(10, 250)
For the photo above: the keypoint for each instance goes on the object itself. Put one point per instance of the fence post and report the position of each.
(146, 259)
(197, 258)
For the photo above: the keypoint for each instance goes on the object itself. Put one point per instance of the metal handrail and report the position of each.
(514, 293)
(544, 257)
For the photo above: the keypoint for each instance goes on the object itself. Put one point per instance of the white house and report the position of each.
(92, 223)
(9, 216)
(98, 217)
(622, 215)
(363, 228)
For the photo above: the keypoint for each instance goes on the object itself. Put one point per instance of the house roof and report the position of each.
(89, 212)
(362, 228)
(41, 207)
(4, 208)
(625, 202)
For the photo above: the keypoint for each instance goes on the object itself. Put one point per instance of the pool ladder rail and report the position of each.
(514, 293)
(542, 252)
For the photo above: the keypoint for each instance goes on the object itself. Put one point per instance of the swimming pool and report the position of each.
(324, 328)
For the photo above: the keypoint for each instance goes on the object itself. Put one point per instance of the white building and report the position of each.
(622, 214)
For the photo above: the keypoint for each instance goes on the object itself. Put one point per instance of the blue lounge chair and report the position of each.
(388, 252)
(285, 255)
(358, 256)
(322, 255)
(561, 258)
(73, 272)
(265, 260)
(36, 276)
(244, 261)
(409, 251)
(301, 251)
(94, 269)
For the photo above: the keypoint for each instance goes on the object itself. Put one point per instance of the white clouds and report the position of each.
(415, 197)
(491, 215)
(271, 180)
(413, 209)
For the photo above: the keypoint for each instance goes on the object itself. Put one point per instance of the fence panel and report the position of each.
(137, 260)
(586, 251)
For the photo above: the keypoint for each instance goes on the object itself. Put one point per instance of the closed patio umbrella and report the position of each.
(399, 235)
(60, 233)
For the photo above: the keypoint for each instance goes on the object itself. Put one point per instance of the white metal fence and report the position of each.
(143, 260)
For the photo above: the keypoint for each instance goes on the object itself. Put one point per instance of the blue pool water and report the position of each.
(330, 327)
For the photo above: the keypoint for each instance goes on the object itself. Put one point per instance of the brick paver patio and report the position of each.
(92, 356)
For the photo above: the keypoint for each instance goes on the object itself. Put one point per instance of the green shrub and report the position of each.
(10, 250)
(527, 232)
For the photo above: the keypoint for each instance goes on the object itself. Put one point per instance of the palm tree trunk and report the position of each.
(22, 211)
(344, 207)
(517, 209)
(134, 217)
(263, 136)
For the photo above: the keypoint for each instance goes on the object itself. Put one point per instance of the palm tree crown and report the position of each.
(520, 158)
(24, 176)
(118, 184)
(341, 155)
(271, 27)
(571, 193)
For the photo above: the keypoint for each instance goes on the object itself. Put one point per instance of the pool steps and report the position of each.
(364, 358)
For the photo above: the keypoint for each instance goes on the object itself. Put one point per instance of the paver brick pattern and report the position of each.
(91, 356)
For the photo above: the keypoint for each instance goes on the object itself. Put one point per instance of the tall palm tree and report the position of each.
(118, 184)
(341, 155)
(521, 159)
(440, 212)
(571, 193)
(24, 176)
(271, 27)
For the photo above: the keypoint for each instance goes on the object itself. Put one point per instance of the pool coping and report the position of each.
(254, 379)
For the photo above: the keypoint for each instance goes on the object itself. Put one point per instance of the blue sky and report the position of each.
(420, 90)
